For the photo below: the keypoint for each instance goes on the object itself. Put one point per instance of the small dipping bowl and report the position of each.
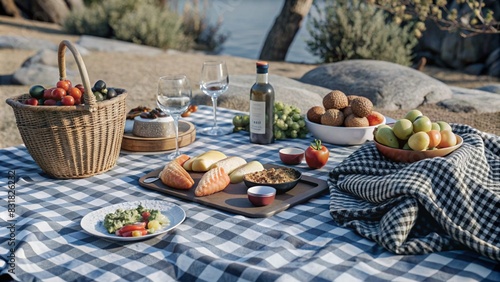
(291, 156)
(261, 195)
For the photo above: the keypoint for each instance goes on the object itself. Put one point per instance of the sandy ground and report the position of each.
(138, 74)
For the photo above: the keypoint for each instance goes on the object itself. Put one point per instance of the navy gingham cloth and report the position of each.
(428, 206)
(302, 243)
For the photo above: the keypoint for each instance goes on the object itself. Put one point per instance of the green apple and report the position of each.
(443, 125)
(413, 115)
(419, 141)
(435, 126)
(385, 136)
(403, 129)
(422, 124)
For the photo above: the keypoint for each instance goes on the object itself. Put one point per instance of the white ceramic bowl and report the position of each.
(340, 135)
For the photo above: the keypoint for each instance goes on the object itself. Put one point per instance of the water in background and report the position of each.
(248, 23)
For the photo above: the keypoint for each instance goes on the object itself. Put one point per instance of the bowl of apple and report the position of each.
(415, 137)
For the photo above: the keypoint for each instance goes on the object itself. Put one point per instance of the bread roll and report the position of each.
(203, 162)
(230, 163)
(175, 176)
(237, 175)
(213, 181)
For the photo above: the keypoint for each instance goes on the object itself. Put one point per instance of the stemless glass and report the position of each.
(174, 97)
(214, 82)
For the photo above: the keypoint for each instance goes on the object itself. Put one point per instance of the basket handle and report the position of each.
(88, 96)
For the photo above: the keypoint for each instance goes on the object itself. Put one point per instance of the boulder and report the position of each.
(474, 69)
(494, 69)
(287, 90)
(42, 68)
(493, 57)
(452, 50)
(25, 43)
(493, 88)
(472, 100)
(389, 86)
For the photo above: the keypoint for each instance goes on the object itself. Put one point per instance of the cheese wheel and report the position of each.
(203, 162)
(230, 163)
(237, 175)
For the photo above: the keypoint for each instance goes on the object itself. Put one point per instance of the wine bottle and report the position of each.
(262, 107)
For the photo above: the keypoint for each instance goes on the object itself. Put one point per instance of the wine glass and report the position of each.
(214, 82)
(174, 97)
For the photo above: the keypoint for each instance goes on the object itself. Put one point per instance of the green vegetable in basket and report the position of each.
(98, 96)
(100, 85)
(36, 91)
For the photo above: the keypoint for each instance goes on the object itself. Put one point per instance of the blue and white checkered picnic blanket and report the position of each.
(429, 206)
(302, 243)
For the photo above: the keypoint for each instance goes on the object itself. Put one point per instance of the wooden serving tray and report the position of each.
(132, 143)
(234, 197)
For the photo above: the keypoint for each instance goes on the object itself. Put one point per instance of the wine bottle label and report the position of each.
(258, 117)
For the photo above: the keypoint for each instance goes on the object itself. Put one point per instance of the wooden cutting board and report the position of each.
(132, 143)
(234, 197)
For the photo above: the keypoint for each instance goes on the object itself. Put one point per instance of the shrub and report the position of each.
(140, 22)
(147, 26)
(350, 29)
(147, 22)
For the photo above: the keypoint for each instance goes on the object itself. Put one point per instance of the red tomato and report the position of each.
(68, 101)
(145, 216)
(32, 101)
(75, 93)
(64, 84)
(132, 227)
(78, 101)
(47, 94)
(80, 87)
(58, 94)
(50, 102)
(317, 155)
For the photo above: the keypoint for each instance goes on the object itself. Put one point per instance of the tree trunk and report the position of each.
(53, 11)
(9, 8)
(286, 26)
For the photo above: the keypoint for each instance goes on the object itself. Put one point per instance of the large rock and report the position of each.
(42, 68)
(389, 86)
(25, 43)
(493, 88)
(452, 50)
(472, 100)
(287, 90)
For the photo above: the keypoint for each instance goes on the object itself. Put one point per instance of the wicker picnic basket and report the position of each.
(72, 141)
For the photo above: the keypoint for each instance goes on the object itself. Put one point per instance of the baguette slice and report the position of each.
(213, 181)
(230, 163)
(237, 175)
(204, 162)
(175, 176)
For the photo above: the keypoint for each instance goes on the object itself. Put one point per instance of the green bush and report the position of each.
(350, 29)
(147, 26)
(146, 22)
(142, 22)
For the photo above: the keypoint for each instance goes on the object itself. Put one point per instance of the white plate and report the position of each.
(93, 223)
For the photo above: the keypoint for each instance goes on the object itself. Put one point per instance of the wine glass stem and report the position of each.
(214, 102)
(176, 126)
